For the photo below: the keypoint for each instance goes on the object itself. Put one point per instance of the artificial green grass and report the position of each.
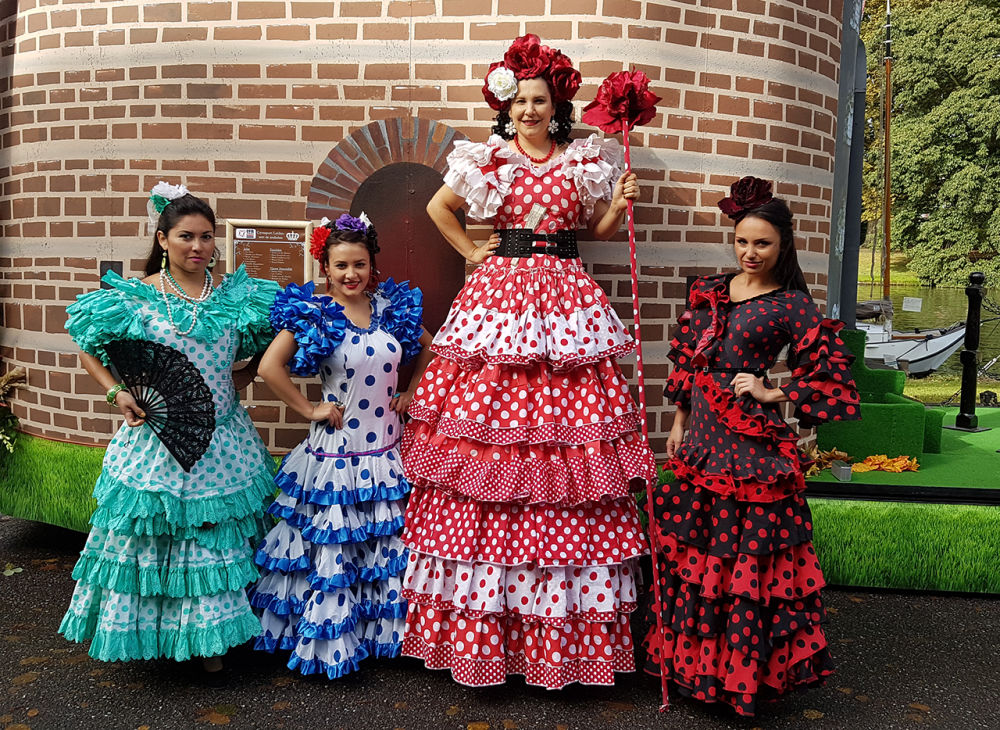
(938, 547)
(48, 481)
(966, 459)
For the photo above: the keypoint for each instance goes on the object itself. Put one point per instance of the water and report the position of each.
(941, 307)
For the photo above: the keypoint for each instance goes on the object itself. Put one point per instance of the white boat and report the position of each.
(917, 352)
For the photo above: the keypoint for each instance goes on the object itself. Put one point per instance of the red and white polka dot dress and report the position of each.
(523, 446)
(739, 580)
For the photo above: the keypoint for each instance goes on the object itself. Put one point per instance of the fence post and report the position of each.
(967, 419)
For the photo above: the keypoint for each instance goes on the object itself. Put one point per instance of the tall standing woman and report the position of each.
(740, 604)
(164, 569)
(525, 442)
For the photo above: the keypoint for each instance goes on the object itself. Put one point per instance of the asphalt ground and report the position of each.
(905, 660)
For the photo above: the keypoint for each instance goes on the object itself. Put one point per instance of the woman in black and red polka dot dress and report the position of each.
(740, 605)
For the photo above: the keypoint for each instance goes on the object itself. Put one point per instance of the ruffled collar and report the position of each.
(577, 151)
(235, 282)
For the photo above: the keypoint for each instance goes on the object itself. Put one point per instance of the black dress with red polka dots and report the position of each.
(740, 605)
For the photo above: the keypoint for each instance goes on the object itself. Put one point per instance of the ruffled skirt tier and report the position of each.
(523, 448)
(163, 572)
(330, 590)
(740, 604)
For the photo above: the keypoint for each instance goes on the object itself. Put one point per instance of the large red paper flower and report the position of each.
(623, 101)
(317, 242)
(746, 194)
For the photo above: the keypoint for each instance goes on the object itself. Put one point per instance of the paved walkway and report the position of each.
(905, 661)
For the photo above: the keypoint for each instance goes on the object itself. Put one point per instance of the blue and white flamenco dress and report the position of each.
(331, 569)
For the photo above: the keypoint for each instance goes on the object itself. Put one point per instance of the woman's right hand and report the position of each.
(674, 440)
(481, 253)
(134, 415)
(329, 412)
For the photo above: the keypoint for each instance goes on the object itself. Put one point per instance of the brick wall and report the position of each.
(244, 101)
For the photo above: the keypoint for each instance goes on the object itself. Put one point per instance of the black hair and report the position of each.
(786, 270)
(178, 208)
(368, 239)
(563, 117)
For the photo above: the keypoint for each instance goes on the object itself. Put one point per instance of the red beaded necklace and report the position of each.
(536, 160)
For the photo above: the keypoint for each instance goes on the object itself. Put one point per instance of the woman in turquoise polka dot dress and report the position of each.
(330, 589)
(164, 570)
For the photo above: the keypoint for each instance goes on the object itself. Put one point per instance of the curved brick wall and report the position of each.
(244, 101)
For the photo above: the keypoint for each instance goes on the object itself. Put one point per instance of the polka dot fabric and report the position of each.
(165, 565)
(523, 447)
(330, 590)
(739, 579)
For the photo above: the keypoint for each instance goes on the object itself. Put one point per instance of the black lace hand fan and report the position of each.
(170, 390)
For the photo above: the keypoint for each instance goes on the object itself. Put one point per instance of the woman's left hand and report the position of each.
(401, 401)
(627, 188)
(749, 384)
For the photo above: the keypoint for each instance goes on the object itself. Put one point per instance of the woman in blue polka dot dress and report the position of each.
(330, 589)
(166, 565)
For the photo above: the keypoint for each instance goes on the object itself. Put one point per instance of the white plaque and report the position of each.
(912, 304)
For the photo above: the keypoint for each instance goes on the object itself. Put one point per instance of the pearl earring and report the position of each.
(553, 126)
(510, 129)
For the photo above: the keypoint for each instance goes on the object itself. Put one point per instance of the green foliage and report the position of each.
(945, 135)
(8, 429)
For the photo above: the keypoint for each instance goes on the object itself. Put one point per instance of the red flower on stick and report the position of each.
(623, 101)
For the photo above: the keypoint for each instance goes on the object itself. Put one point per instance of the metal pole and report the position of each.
(887, 155)
(967, 420)
(852, 226)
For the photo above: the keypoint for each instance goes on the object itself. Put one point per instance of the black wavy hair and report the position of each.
(786, 270)
(178, 208)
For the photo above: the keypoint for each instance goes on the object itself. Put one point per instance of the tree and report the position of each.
(945, 135)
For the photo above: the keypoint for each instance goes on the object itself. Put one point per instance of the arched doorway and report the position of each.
(394, 198)
(390, 169)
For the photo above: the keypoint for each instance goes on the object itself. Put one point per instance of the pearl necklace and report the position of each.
(206, 291)
(536, 160)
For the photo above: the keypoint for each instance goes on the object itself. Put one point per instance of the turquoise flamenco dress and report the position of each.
(165, 567)
(330, 590)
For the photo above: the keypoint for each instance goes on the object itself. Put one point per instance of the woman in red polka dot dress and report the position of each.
(523, 447)
(739, 580)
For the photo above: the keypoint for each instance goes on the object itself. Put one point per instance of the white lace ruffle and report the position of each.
(594, 165)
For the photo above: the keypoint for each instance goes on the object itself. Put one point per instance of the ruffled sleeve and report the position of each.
(317, 323)
(822, 387)
(103, 315)
(594, 164)
(403, 314)
(678, 388)
(253, 322)
(481, 174)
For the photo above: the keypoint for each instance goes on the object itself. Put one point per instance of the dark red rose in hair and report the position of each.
(744, 195)
(527, 57)
(563, 78)
(623, 99)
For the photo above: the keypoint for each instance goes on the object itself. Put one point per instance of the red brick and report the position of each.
(599, 30)
(198, 12)
(184, 34)
(260, 132)
(716, 42)
(289, 71)
(209, 91)
(413, 8)
(161, 131)
(768, 110)
(259, 10)
(237, 33)
(386, 31)
(360, 9)
(312, 10)
(493, 31)
(781, 53)
(439, 31)
(288, 33)
(261, 91)
(698, 101)
(209, 131)
(161, 12)
(337, 31)
(337, 71)
(467, 8)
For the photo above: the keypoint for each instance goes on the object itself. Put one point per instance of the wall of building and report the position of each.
(244, 102)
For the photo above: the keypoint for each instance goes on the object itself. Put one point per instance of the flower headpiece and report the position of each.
(345, 222)
(744, 195)
(162, 195)
(527, 58)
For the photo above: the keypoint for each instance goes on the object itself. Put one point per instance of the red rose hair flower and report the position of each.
(623, 101)
(746, 194)
(527, 58)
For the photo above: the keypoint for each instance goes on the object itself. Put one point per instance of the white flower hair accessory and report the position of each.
(502, 83)
(160, 197)
(364, 219)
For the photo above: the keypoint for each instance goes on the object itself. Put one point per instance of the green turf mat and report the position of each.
(49, 481)
(938, 547)
(966, 459)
